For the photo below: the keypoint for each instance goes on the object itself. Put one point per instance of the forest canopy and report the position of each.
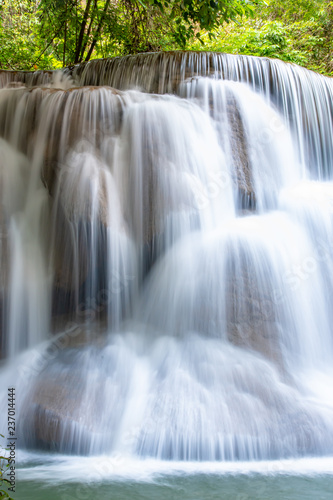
(49, 34)
(300, 32)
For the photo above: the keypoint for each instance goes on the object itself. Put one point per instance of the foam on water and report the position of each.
(117, 468)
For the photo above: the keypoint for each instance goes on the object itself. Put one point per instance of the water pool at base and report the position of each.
(107, 478)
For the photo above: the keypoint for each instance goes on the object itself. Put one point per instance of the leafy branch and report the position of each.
(4, 482)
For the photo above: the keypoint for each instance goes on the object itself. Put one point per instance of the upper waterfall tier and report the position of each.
(303, 97)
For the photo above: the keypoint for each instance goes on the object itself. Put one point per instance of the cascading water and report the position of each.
(178, 249)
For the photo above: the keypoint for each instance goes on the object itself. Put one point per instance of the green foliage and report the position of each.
(3, 481)
(191, 15)
(50, 34)
(298, 32)
(19, 36)
(55, 33)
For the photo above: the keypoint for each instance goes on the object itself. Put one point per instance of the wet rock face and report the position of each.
(242, 169)
(13, 79)
(68, 412)
(53, 403)
(251, 320)
(54, 418)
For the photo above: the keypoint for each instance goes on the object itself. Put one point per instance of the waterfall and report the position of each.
(166, 258)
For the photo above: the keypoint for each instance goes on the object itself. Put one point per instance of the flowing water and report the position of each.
(167, 268)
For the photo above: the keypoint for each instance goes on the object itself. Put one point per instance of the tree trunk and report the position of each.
(98, 31)
(81, 35)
